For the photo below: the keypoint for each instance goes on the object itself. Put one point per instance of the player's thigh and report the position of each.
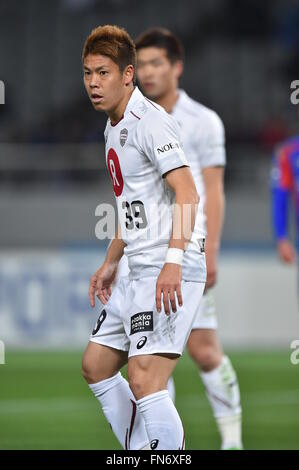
(150, 373)
(101, 362)
(204, 338)
(204, 348)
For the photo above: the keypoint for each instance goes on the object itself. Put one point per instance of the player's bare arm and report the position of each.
(286, 251)
(169, 281)
(214, 208)
(101, 281)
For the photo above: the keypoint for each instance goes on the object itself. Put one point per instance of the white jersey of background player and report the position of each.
(160, 65)
(147, 319)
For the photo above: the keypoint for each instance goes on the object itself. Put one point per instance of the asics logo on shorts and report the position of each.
(142, 321)
(141, 342)
(154, 444)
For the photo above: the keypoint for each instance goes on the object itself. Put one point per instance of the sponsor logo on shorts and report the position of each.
(141, 342)
(142, 321)
(154, 444)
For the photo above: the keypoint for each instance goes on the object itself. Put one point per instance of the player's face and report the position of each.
(104, 82)
(155, 73)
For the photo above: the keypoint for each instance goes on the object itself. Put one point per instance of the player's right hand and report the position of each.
(100, 283)
(168, 284)
(286, 251)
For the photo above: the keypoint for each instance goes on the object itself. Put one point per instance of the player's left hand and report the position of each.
(101, 282)
(212, 267)
(169, 283)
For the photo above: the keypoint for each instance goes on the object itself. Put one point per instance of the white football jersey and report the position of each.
(202, 137)
(140, 149)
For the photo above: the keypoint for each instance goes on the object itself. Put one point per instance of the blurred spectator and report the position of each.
(285, 186)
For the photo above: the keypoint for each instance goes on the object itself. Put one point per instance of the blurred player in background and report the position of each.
(159, 67)
(147, 319)
(285, 185)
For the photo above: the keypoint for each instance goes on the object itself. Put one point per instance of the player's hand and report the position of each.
(169, 282)
(286, 251)
(212, 267)
(100, 283)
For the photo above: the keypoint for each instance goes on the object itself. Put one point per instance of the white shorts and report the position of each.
(206, 315)
(130, 321)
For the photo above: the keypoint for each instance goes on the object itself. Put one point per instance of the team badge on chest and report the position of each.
(123, 136)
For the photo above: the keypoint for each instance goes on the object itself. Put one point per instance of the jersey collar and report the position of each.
(135, 97)
(182, 96)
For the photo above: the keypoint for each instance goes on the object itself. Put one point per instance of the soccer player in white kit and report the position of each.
(147, 319)
(159, 67)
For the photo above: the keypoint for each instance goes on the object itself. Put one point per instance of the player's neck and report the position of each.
(116, 114)
(168, 100)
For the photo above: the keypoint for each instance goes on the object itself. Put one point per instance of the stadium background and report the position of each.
(241, 57)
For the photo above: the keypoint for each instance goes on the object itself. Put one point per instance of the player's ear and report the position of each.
(128, 74)
(178, 68)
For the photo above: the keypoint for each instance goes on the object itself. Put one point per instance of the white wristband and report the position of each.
(174, 255)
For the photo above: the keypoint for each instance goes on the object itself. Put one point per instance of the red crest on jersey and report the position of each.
(115, 172)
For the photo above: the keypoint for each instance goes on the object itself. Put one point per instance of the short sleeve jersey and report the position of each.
(140, 149)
